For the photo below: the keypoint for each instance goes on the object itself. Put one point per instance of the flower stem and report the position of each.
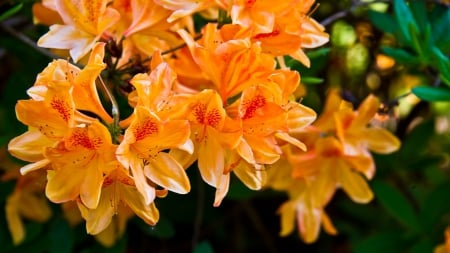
(114, 128)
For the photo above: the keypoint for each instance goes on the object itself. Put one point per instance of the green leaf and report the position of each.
(439, 19)
(11, 11)
(419, 11)
(435, 206)
(405, 18)
(60, 236)
(423, 246)
(442, 63)
(400, 55)
(383, 21)
(203, 247)
(386, 242)
(432, 94)
(311, 80)
(417, 140)
(396, 204)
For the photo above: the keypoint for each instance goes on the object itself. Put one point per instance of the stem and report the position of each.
(114, 109)
(27, 41)
(200, 207)
(258, 224)
(343, 13)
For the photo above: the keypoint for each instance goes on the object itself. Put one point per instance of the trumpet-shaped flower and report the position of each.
(213, 133)
(78, 164)
(26, 201)
(231, 64)
(84, 23)
(282, 29)
(119, 197)
(142, 152)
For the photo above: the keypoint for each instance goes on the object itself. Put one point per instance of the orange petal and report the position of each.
(254, 178)
(381, 140)
(221, 189)
(29, 146)
(308, 220)
(211, 161)
(354, 185)
(68, 37)
(64, 185)
(366, 111)
(287, 211)
(91, 187)
(147, 212)
(15, 224)
(168, 173)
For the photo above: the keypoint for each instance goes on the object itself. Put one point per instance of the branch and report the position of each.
(20, 36)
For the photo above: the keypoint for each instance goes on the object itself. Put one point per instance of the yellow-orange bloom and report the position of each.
(78, 164)
(142, 152)
(213, 133)
(119, 197)
(231, 64)
(84, 23)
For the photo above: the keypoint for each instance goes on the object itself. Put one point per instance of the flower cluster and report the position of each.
(338, 156)
(224, 100)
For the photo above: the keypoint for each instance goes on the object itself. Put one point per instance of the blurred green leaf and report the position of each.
(383, 21)
(11, 11)
(310, 80)
(386, 242)
(60, 236)
(423, 246)
(435, 206)
(419, 11)
(432, 94)
(443, 64)
(405, 18)
(439, 19)
(396, 204)
(203, 247)
(400, 55)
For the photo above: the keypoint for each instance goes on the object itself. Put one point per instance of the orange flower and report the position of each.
(231, 65)
(138, 15)
(142, 151)
(78, 165)
(26, 201)
(185, 8)
(213, 133)
(120, 197)
(85, 22)
(338, 156)
(282, 29)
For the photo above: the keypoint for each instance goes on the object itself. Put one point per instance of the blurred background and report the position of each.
(396, 50)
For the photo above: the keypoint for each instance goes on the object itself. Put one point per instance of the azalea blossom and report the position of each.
(84, 24)
(142, 152)
(337, 156)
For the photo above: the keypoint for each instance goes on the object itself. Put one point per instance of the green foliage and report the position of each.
(203, 247)
(396, 204)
